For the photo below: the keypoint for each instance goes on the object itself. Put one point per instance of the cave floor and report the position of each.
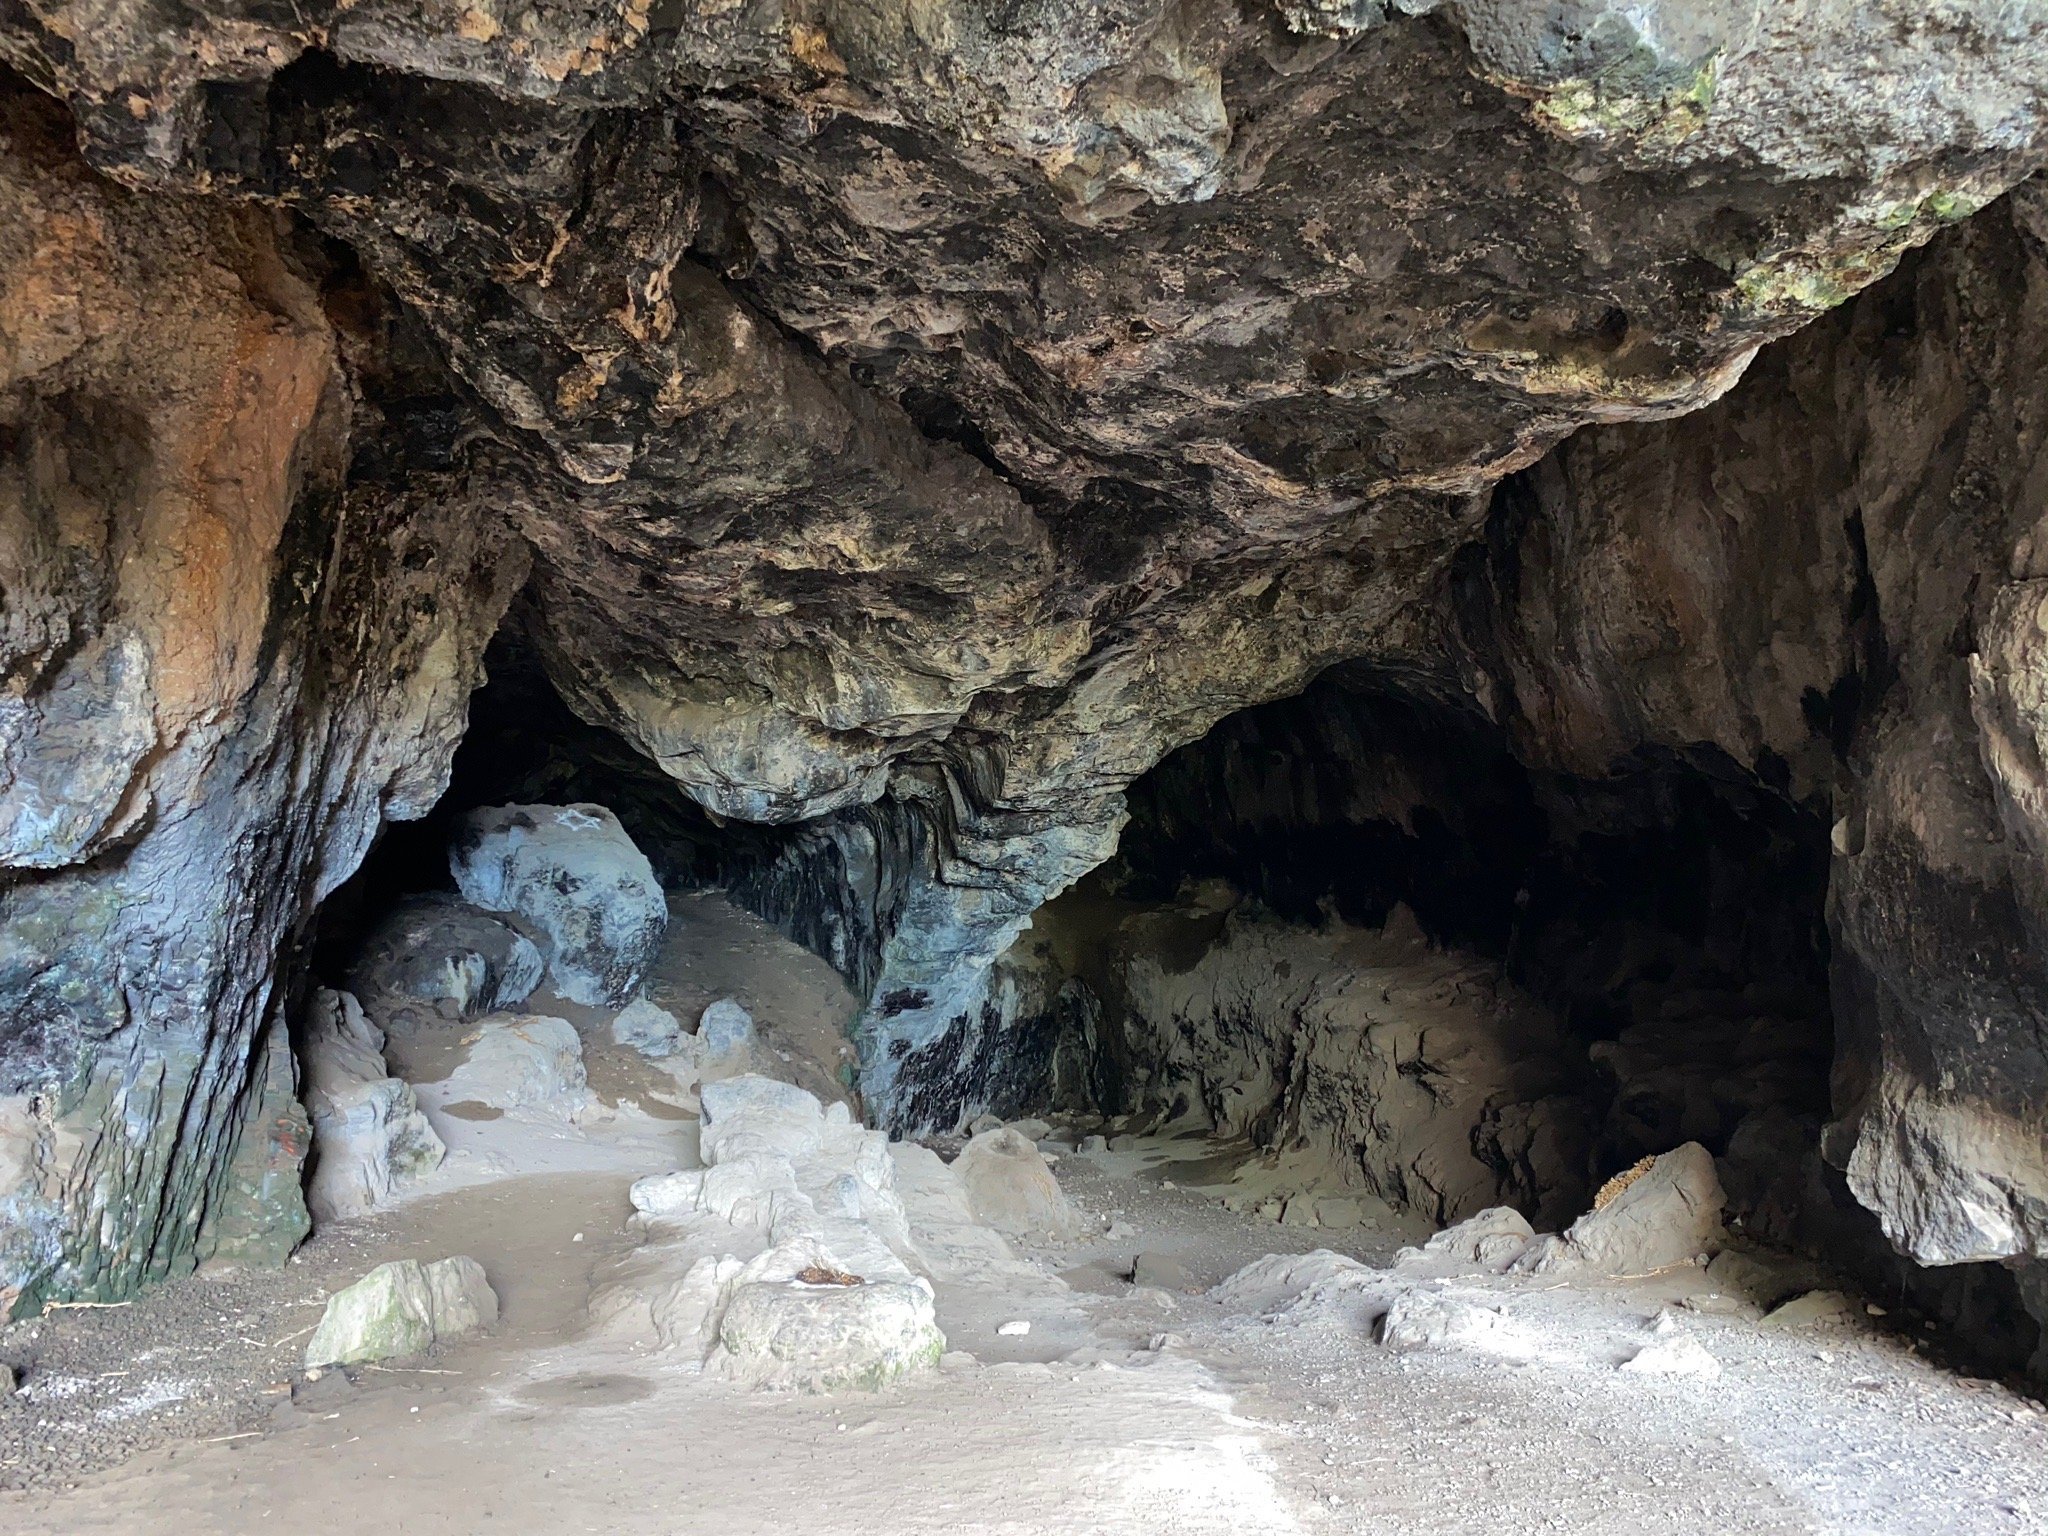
(1124, 1409)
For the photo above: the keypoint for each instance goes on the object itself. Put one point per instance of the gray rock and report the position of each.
(823, 1338)
(725, 1029)
(1817, 1309)
(1009, 1187)
(572, 872)
(648, 1028)
(400, 1309)
(1163, 1273)
(368, 1132)
(449, 955)
(1667, 1214)
(7, 1381)
(1680, 1354)
(1493, 1239)
(1422, 1319)
(522, 1061)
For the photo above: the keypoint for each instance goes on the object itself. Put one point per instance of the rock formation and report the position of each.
(903, 428)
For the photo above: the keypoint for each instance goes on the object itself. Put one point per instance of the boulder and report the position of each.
(1493, 1239)
(520, 1061)
(1010, 1188)
(1663, 1212)
(368, 1132)
(822, 1338)
(648, 1028)
(572, 872)
(402, 1308)
(724, 1029)
(454, 957)
(1427, 1320)
(1816, 1309)
(1162, 1273)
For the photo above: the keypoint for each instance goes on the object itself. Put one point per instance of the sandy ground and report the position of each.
(1124, 1409)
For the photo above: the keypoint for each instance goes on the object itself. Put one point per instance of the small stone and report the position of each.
(982, 1124)
(1270, 1210)
(1677, 1355)
(725, 1029)
(1016, 1328)
(1161, 1341)
(1032, 1129)
(7, 1382)
(1093, 1146)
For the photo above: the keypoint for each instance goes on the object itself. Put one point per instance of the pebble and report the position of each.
(1016, 1328)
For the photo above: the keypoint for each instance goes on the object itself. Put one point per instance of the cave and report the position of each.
(1647, 952)
(1045, 767)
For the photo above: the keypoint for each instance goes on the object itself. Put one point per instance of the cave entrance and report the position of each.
(1354, 933)
(543, 972)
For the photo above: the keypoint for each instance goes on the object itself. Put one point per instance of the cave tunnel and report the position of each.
(1351, 950)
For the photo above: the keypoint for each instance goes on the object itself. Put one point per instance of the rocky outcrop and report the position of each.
(225, 660)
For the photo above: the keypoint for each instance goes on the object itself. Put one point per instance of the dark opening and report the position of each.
(1353, 925)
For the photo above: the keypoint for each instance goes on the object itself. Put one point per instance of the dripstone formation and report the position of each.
(899, 428)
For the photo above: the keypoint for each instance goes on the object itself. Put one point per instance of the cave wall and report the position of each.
(223, 663)
(1830, 575)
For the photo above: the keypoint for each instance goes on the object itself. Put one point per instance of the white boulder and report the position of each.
(1678, 1355)
(1423, 1319)
(825, 1337)
(402, 1308)
(522, 1061)
(368, 1132)
(572, 871)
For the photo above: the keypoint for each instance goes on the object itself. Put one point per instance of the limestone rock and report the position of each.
(572, 872)
(522, 1061)
(823, 1338)
(1422, 1319)
(725, 1030)
(368, 1132)
(1670, 1214)
(402, 1308)
(1162, 1273)
(447, 954)
(1493, 1239)
(1816, 1309)
(1009, 1186)
(648, 1028)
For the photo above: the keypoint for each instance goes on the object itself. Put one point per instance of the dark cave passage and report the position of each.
(1351, 926)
